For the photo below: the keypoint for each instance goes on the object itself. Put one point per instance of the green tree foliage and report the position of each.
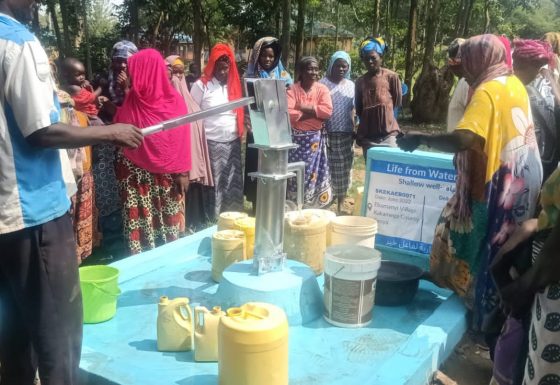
(241, 22)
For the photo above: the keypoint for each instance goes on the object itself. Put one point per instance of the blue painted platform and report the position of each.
(403, 345)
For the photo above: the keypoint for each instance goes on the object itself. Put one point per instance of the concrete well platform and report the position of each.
(403, 345)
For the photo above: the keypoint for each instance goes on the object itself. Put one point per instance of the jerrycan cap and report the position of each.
(254, 317)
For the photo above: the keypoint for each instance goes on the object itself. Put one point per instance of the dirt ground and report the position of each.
(469, 364)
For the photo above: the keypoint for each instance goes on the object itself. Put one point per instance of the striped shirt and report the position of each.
(32, 189)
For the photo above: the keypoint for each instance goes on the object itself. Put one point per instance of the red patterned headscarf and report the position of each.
(539, 52)
(483, 58)
(233, 84)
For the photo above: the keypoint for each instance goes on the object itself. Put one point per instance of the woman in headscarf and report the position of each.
(498, 179)
(265, 62)
(533, 63)
(153, 178)
(553, 38)
(119, 84)
(529, 56)
(460, 97)
(201, 173)
(309, 106)
(220, 84)
(106, 187)
(340, 126)
(378, 94)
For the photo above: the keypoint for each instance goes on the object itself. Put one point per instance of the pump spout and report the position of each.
(299, 169)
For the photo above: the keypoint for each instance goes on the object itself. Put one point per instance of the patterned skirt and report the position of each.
(84, 217)
(225, 160)
(153, 212)
(340, 151)
(106, 187)
(313, 151)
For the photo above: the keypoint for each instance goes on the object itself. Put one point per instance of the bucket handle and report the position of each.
(105, 291)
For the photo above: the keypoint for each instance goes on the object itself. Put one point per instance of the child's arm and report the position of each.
(73, 90)
(107, 106)
(98, 91)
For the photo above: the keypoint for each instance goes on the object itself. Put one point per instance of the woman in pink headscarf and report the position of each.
(200, 175)
(153, 178)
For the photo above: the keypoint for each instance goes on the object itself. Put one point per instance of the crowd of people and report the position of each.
(181, 180)
(77, 172)
(496, 242)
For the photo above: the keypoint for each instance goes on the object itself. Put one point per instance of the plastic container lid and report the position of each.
(229, 235)
(350, 259)
(305, 220)
(232, 215)
(351, 221)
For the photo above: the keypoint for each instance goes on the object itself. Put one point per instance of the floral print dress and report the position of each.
(498, 182)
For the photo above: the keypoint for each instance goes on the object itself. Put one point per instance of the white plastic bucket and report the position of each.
(353, 230)
(350, 279)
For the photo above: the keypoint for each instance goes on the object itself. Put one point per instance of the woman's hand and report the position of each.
(122, 81)
(410, 142)
(520, 235)
(182, 184)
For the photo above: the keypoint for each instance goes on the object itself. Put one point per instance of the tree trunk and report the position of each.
(277, 14)
(86, 40)
(286, 16)
(51, 9)
(431, 94)
(376, 15)
(300, 28)
(487, 19)
(396, 9)
(67, 51)
(198, 33)
(411, 42)
(134, 23)
(432, 22)
(336, 25)
(460, 18)
(468, 14)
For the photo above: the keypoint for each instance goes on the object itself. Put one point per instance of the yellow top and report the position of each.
(499, 112)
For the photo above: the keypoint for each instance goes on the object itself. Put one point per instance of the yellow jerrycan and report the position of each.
(226, 220)
(253, 346)
(174, 325)
(206, 333)
(305, 238)
(228, 247)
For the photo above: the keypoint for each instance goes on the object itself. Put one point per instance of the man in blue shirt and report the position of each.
(41, 305)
